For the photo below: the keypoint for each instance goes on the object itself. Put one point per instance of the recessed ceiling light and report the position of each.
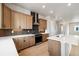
(43, 6)
(69, 4)
(51, 12)
(60, 18)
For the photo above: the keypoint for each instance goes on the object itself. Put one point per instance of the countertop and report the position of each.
(44, 33)
(70, 39)
(7, 46)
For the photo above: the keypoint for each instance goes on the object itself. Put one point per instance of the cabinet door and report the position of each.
(42, 25)
(23, 21)
(29, 22)
(32, 41)
(16, 20)
(19, 20)
(44, 37)
(45, 24)
(6, 17)
(0, 15)
(18, 43)
(26, 42)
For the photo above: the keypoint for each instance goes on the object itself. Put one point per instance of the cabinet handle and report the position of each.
(19, 27)
(24, 40)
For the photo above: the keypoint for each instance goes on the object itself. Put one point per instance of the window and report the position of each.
(76, 28)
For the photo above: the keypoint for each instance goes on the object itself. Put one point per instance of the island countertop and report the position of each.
(70, 39)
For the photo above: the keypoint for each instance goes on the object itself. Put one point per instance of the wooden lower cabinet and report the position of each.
(54, 48)
(32, 41)
(44, 37)
(24, 42)
(18, 43)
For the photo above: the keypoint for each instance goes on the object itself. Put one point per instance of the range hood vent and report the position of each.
(35, 18)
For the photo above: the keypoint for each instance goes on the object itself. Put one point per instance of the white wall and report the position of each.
(41, 16)
(65, 27)
(51, 26)
(68, 27)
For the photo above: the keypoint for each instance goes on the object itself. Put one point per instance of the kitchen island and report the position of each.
(60, 45)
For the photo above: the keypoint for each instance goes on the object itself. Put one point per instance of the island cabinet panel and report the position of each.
(54, 48)
(74, 50)
(6, 15)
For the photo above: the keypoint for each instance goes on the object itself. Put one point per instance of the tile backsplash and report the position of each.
(8, 32)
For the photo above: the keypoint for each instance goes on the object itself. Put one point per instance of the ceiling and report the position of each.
(60, 10)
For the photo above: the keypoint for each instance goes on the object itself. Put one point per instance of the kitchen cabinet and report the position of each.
(42, 25)
(19, 43)
(29, 21)
(21, 21)
(18, 20)
(31, 40)
(24, 42)
(0, 15)
(5, 17)
(54, 48)
(6, 14)
(44, 37)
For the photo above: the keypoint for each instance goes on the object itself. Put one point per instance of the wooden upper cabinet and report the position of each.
(42, 24)
(15, 20)
(0, 15)
(18, 20)
(21, 21)
(6, 17)
(29, 21)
